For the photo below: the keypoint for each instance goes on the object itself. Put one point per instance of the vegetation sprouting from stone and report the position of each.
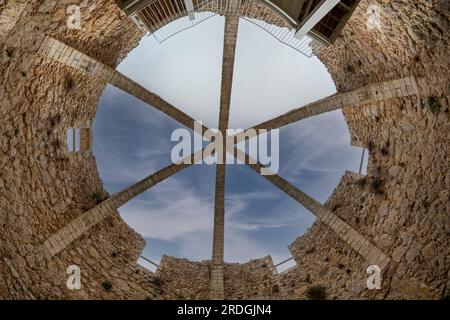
(107, 285)
(316, 293)
(376, 185)
(97, 196)
(157, 281)
(9, 53)
(370, 146)
(361, 182)
(69, 83)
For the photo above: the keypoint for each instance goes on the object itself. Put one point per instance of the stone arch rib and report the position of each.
(55, 50)
(77, 227)
(362, 246)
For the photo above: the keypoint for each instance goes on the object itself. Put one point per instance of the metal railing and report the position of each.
(284, 262)
(149, 261)
(287, 36)
(165, 18)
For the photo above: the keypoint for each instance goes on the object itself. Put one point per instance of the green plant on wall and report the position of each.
(107, 285)
(376, 185)
(433, 105)
(316, 293)
(97, 196)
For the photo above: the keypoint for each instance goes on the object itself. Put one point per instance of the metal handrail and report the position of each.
(283, 262)
(168, 18)
(149, 261)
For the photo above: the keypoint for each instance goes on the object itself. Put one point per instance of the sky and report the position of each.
(132, 141)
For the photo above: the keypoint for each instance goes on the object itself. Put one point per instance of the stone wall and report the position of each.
(184, 279)
(257, 279)
(10, 12)
(42, 187)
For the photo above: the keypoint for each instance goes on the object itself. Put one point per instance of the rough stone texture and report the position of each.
(184, 279)
(402, 206)
(83, 223)
(255, 280)
(10, 13)
(42, 187)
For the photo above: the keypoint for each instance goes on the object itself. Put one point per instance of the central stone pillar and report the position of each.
(229, 49)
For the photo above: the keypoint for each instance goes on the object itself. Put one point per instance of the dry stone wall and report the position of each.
(256, 279)
(184, 279)
(42, 187)
(403, 204)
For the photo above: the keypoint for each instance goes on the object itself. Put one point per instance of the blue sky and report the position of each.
(132, 140)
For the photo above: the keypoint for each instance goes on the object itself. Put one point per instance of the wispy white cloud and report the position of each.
(126, 169)
(313, 142)
(188, 222)
(175, 212)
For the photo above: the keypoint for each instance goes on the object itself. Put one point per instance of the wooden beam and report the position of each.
(314, 18)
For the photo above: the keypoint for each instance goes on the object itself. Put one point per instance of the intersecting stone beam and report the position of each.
(57, 51)
(354, 239)
(217, 261)
(229, 53)
(217, 285)
(80, 225)
(398, 88)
